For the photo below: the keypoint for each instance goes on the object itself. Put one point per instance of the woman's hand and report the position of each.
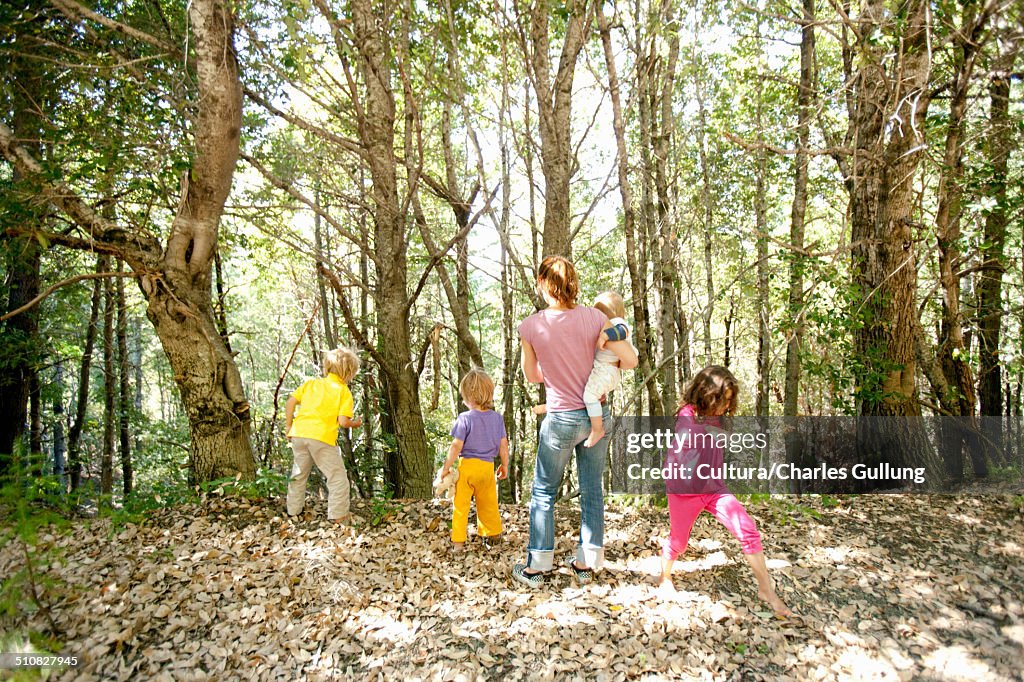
(501, 473)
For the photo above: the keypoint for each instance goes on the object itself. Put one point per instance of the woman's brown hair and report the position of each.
(712, 388)
(557, 276)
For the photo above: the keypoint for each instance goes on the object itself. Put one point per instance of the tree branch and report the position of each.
(63, 283)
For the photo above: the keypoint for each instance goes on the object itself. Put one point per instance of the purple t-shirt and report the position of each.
(480, 433)
(564, 341)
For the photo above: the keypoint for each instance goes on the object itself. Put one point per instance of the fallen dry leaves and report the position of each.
(889, 587)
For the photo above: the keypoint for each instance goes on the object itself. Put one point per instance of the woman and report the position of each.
(558, 351)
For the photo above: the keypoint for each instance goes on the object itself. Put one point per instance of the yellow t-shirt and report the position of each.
(321, 401)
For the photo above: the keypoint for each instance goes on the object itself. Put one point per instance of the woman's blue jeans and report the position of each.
(561, 434)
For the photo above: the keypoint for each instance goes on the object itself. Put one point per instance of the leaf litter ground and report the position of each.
(888, 587)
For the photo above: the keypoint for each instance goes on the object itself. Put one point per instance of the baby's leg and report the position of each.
(603, 378)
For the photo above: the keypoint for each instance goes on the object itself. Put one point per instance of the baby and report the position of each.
(605, 376)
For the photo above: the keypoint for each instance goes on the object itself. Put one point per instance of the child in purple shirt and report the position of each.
(479, 436)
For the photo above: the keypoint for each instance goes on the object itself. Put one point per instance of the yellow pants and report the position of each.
(476, 480)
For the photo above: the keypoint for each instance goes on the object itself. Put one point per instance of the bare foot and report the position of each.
(666, 587)
(540, 409)
(772, 599)
(458, 547)
(596, 434)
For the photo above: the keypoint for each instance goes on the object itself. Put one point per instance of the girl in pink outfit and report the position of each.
(708, 402)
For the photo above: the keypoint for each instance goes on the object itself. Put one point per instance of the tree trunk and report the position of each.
(413, 471)
(59, 442)
(637, 271)
(176, 280)
(554, 108)
(19, 335)
(124, 387)
(761, 398)
(990, 288)
(805, 96)
(668, 280)
(82, 400)
(706, 200)
(953, 350)
(884, 262)
(109, 391)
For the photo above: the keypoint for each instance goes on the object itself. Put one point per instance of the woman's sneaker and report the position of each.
(529, 579)
(583, 575)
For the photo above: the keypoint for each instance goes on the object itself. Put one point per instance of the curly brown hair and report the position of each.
(710, 390)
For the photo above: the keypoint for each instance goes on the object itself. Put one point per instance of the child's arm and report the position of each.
(617, 332)
(502, 472)
(625, 352)
(531, 368)
(289, 413)
(453, 454)
(346, 422)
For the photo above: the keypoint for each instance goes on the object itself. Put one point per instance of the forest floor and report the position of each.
(888, 587)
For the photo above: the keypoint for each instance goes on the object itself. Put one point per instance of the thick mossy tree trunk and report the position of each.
(176, 280)
(884, 261)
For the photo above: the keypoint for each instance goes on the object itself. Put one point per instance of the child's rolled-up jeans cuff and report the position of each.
(594, 409)
(540, 559)
(591, 557)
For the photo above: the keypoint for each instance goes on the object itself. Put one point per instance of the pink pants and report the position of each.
(683, 511)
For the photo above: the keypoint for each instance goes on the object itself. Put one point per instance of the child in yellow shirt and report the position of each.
(478, 437)
(324, 405)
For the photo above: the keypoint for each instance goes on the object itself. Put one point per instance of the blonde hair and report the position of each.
(341, 361)
(610, 303)
(477, 388)
(557, 276)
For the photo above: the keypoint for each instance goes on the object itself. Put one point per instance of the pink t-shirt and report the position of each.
(565, 341)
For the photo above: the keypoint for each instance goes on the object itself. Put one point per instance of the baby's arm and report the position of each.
(616, 332)
(625, 352)
(453, 454)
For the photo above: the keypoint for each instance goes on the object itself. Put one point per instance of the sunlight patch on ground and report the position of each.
(957, 663)
(865, 665)
(967, 520)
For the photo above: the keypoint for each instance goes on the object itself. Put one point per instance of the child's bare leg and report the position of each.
(764, 585)
(596, 431)
(540, 409)
(665, 579)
